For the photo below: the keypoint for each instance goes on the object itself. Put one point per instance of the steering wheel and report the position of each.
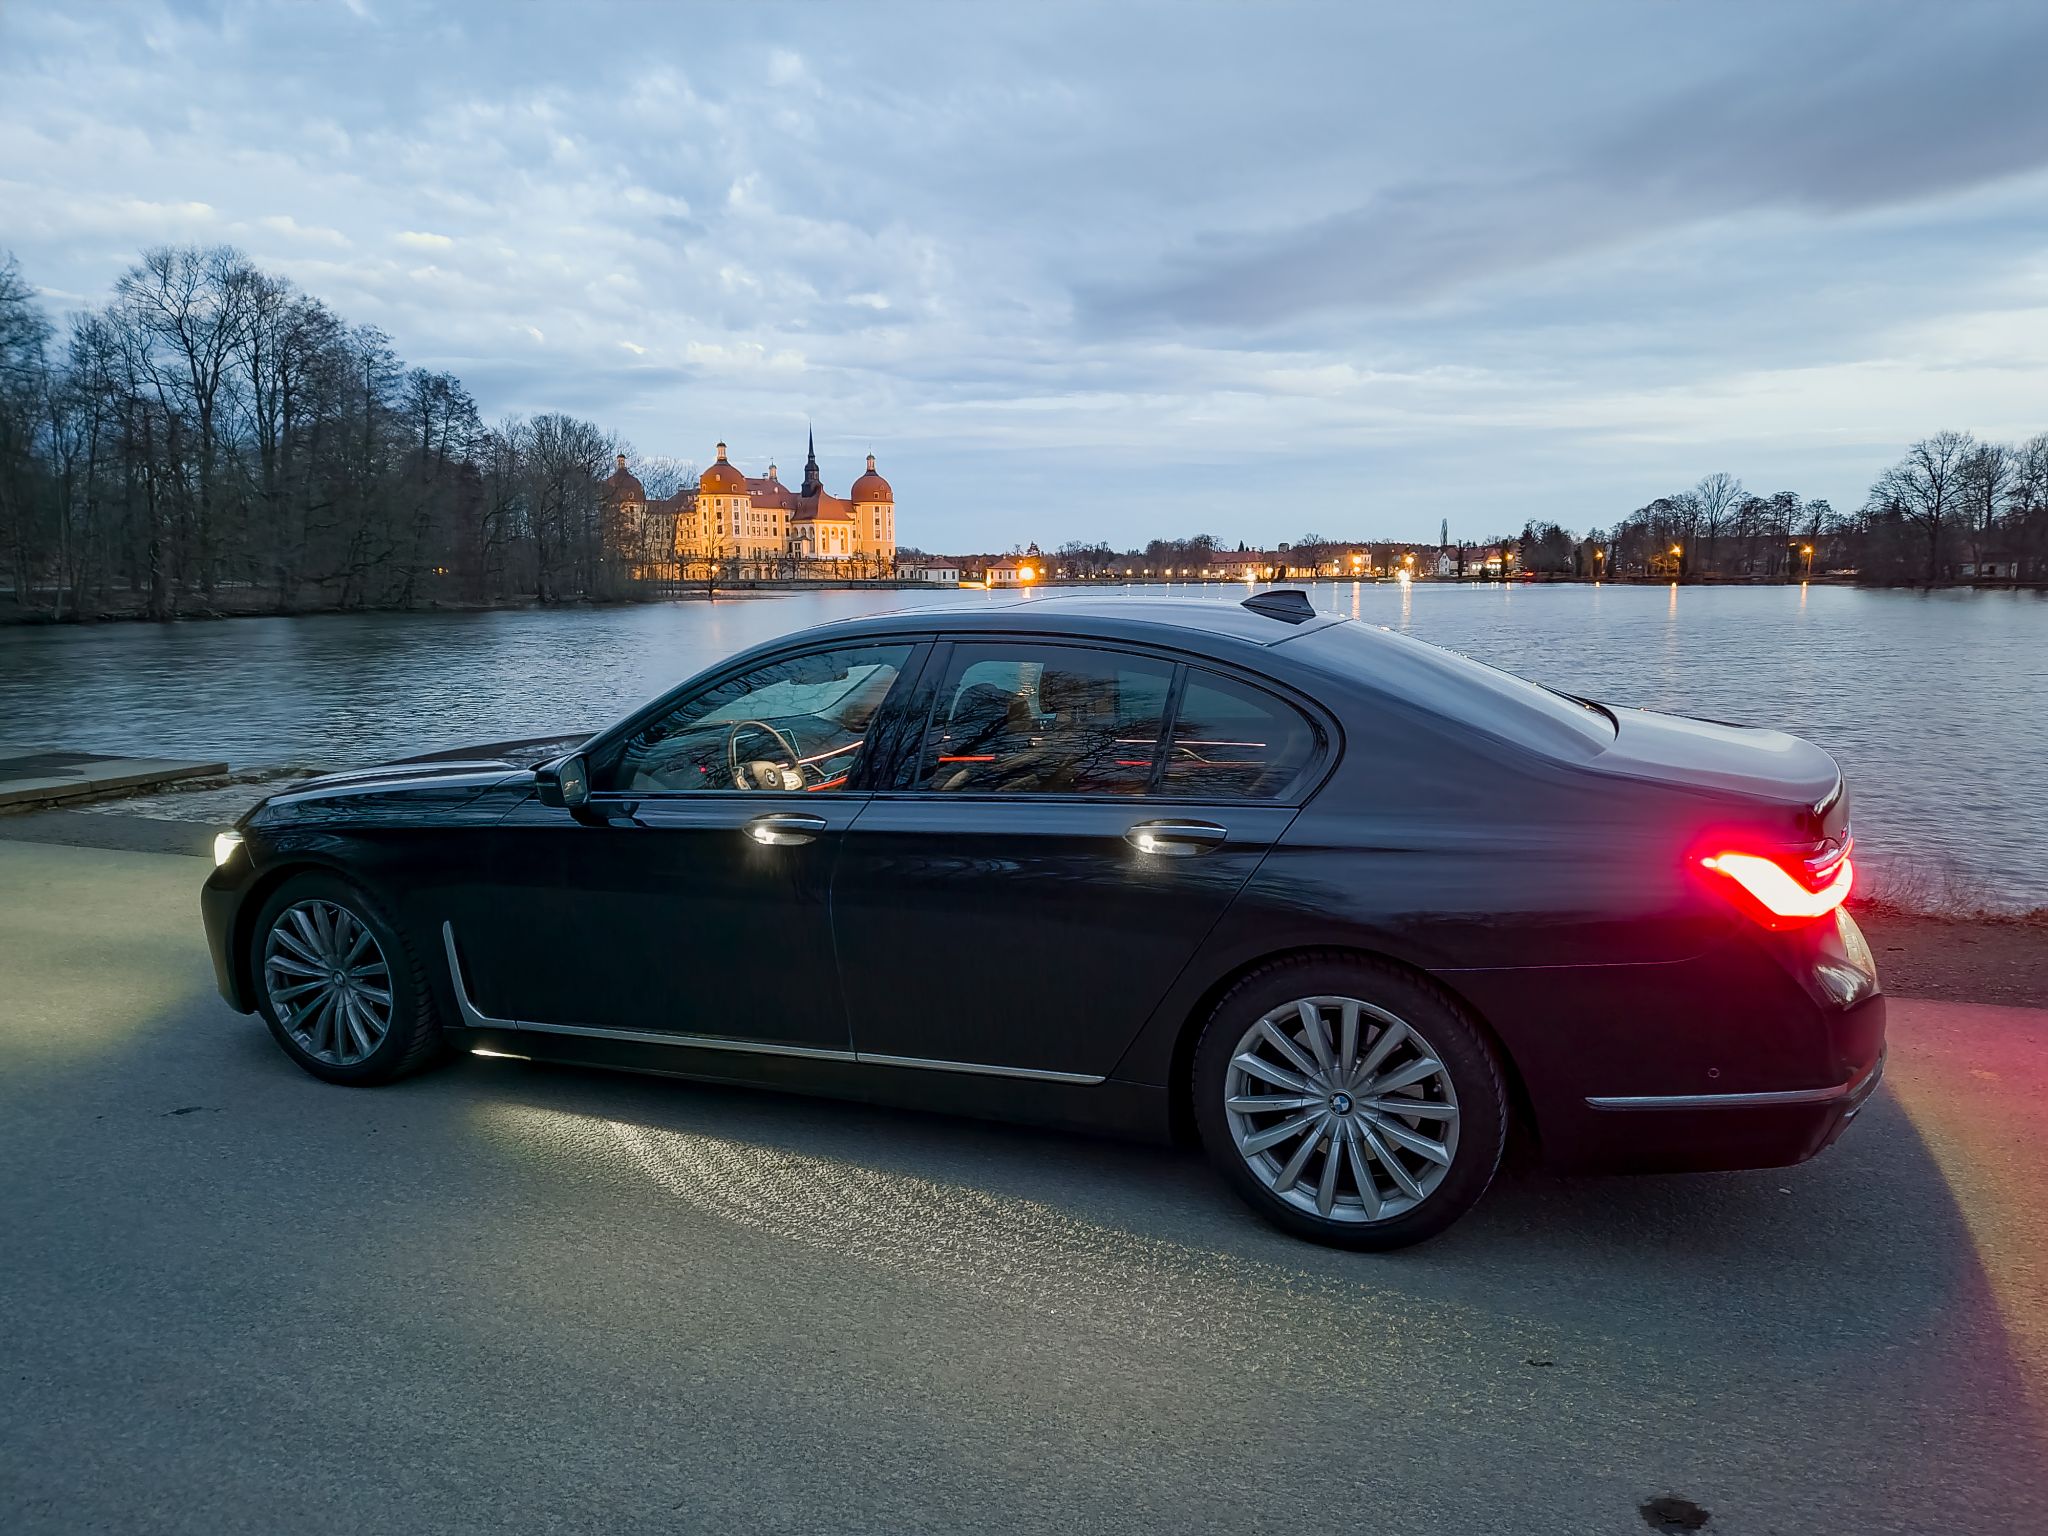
(751, 778)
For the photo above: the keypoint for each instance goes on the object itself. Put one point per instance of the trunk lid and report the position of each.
(1793, 787)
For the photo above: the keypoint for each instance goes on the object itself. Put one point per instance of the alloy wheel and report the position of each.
(328, 982)
(1341, 1109)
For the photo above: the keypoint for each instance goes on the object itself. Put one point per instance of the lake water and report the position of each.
(1935, 704)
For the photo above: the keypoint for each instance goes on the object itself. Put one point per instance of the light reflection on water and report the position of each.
(1936, 704)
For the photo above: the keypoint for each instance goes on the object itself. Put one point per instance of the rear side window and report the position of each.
(1233, 741)
(1046, 719)
(1448, 683)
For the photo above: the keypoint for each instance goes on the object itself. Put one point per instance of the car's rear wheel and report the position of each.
(1349, 1102)
(339, 986)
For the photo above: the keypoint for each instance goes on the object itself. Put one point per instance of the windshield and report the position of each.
(794, 696)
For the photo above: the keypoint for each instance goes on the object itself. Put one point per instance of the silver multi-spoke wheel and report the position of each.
(1341, 1109)
(328, 982)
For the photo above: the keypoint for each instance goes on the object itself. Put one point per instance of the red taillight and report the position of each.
(1783, 893)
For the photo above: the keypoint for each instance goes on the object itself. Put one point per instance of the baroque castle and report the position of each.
(757, 526)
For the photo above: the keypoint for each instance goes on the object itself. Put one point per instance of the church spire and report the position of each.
(813, 481)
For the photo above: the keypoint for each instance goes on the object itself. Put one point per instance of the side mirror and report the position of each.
(563, 784)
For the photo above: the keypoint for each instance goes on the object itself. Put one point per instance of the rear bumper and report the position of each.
(1756, 1054)
(1854, 1093)
(1701, 1133)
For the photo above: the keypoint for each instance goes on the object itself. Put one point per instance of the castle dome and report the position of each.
(624, 485)
(871, 486)
(723, 477)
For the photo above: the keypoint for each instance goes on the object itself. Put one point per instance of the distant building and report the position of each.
(940, 573)
(1281, 565)
(757, 526)
(1242, 564)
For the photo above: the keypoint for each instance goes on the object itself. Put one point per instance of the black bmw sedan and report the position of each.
(1336, 903)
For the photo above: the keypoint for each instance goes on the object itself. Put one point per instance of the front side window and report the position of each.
(1045, 719)
(795, 724)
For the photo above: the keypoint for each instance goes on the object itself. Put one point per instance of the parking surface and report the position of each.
(506, 1298)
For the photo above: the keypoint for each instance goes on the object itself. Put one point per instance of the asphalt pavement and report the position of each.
(506, 1298)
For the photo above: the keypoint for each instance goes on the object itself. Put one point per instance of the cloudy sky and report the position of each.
(1115, 272)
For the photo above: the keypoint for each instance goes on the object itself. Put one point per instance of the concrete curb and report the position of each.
(32, 777)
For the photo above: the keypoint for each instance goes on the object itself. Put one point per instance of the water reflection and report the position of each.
(1936, 703)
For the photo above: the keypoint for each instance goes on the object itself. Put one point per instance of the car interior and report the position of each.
(795, 725)
(1092, 726)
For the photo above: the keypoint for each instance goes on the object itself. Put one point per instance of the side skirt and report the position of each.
(475, 1018)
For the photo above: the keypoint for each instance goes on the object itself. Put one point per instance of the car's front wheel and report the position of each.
(338, 984)
(1349, 1102)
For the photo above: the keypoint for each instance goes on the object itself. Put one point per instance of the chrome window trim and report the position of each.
(475, 1018)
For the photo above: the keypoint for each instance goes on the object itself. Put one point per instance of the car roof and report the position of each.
(1167, 619)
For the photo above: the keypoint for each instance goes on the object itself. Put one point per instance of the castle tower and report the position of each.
(722, 500)
(874, 516)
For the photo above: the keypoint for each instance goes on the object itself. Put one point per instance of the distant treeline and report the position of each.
(211, 438)
(1953, 508)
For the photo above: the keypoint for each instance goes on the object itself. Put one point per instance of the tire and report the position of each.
(1300, 1164)
(309, 923)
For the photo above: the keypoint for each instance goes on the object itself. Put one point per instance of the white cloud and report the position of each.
(422, 241)
(742, 357)
(289, 228)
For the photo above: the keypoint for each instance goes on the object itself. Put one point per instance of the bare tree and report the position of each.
(565, 459)
(191, 307)
(1926, 489)
(1987, 479)
(24, 385)
(1717, 497)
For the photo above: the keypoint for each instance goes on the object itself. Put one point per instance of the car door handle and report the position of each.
(1180, 837)
(782, 829)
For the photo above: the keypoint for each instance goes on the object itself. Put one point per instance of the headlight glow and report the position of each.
(224, 846)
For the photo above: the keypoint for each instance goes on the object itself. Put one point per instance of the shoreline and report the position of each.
(1995, 959)
(14, 616)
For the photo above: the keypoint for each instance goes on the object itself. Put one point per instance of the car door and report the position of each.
(687, 899)
(1045, 863)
